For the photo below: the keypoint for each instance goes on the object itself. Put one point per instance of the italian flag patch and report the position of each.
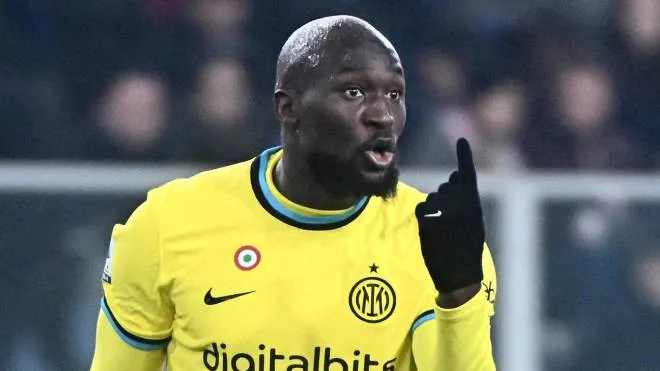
(246, 258)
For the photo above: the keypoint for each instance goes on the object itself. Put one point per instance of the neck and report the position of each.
(294, 180)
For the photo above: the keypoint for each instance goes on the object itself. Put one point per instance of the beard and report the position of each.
(343, 177)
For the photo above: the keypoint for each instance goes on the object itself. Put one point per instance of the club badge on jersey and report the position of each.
(107, 269)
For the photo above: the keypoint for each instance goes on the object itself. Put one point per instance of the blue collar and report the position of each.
(283, 213)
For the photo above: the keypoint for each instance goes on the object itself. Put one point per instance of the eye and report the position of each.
(353, 93)
(394, 95)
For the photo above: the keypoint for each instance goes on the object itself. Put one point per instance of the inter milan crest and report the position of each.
(372, 299)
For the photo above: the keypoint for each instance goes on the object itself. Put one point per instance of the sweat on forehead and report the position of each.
(323, 40)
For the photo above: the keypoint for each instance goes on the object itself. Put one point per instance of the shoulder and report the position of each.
(204, 184)
(406, 199)
(201, 198)
(398, 211)
(408, 196)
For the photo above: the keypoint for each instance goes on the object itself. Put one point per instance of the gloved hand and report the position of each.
(451, 227)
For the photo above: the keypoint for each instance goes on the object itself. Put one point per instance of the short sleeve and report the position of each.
(135, 298)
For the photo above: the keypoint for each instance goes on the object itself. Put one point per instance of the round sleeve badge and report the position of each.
(247, 258)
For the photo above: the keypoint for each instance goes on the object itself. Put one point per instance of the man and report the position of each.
(312, 256)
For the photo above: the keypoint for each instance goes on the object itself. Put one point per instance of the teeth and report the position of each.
(381, 159)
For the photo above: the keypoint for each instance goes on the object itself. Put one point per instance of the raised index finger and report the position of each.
(466, 170)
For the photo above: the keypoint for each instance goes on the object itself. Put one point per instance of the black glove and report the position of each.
(451, 227)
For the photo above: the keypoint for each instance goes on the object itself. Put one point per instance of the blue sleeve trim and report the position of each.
(130, 339)
(424, 317)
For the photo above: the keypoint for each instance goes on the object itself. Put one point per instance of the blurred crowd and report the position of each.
(533, 84)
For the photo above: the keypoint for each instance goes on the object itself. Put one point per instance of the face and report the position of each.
(641, 23)
(219, 16)
(133, 113)
(223, 97)
(586, 96)
(350, 120)
(501, 110)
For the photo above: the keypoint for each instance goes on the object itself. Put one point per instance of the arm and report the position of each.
(113, 353)
(458, 338)
(135, 320)
(455, 334)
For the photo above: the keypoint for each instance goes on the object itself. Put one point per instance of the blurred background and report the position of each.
(100, 100)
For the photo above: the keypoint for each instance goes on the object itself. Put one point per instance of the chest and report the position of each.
(297, 290)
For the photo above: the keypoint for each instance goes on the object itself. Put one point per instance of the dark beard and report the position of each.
(343, 178)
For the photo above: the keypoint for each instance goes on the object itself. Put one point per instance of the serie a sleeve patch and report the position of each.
(107, 268)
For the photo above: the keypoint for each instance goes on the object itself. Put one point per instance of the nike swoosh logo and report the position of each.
(213, 300)
(434, 215)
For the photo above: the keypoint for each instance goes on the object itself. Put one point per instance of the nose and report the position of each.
(378, 113)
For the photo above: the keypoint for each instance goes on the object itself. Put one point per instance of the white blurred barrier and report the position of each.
(518, 197)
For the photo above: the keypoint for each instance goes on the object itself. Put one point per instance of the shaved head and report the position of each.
(322, 43)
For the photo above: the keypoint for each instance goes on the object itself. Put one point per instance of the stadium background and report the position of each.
(102, 99)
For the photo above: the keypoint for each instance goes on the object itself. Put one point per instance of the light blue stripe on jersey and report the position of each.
(132, 342)
(270, 198)
(421, 320)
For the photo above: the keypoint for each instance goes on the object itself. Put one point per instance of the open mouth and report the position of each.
(381, 153)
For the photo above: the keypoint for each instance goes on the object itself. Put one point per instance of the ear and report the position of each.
(286, 108)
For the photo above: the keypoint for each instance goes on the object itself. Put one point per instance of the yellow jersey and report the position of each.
(221, 272)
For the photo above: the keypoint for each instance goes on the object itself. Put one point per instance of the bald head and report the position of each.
(321, 43)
